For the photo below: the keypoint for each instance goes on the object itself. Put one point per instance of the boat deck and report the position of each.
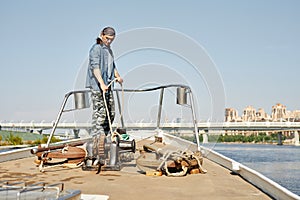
(217, 183)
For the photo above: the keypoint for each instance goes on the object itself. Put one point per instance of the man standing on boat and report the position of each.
(101, 72)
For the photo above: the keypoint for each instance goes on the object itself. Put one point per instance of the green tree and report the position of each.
(14, 140)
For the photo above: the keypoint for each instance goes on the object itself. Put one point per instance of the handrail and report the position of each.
(161, 88)
(152, 89)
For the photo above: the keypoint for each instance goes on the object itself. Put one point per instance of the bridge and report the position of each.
(204, 127)
(242, 126)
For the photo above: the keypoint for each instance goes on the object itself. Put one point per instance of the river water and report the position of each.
(281, 163)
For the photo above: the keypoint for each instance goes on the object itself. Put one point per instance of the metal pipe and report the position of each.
(160, 107)
(152, 89)
(40, 149)
(58, 117)
(120, 111)
(113, 154)
(194, 119)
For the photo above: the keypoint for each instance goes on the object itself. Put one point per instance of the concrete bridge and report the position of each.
(250, 126)
(204, 127)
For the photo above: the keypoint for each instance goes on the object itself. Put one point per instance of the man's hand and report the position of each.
(104, 87)
(120, 80)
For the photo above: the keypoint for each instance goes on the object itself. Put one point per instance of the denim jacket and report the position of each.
(100, 57)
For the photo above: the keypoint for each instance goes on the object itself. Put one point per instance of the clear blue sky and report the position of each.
(254, 44)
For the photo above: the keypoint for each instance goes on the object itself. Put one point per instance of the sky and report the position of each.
(252, 46)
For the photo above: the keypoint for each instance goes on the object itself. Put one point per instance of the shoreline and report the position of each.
(260, 143)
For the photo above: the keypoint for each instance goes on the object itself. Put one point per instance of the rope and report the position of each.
(176, 174)
(202, 170)
(113, 133)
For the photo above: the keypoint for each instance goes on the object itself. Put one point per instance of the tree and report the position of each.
(14, 140)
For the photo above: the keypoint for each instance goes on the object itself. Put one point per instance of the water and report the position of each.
(279, 163)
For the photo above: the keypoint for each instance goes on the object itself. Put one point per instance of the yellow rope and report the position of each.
(113, 133)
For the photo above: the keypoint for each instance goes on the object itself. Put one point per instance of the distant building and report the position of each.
(261, 115)
(296, 115)
(293, 116)
(231, 115)
(279, 112)
(249, 114)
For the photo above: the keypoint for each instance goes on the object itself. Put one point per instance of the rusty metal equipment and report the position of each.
(63, 154)
(157, 158)
(113, 151)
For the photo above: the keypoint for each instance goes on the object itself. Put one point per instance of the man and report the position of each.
(101, 72)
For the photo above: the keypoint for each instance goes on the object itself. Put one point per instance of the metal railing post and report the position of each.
(58, 117)
(194, 119)
(160, 108)
(120, 109)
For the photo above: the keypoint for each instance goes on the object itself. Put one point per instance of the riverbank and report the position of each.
(289, 143)
(262, 138)
(15, 138)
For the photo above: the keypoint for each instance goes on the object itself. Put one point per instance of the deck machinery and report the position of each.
(112, 149)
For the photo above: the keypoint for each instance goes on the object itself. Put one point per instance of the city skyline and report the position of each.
(279, 112)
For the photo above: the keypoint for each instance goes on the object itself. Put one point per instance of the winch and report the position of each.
(111, 150)
(109, 146)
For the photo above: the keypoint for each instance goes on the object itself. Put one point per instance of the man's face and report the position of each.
(107, 39)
